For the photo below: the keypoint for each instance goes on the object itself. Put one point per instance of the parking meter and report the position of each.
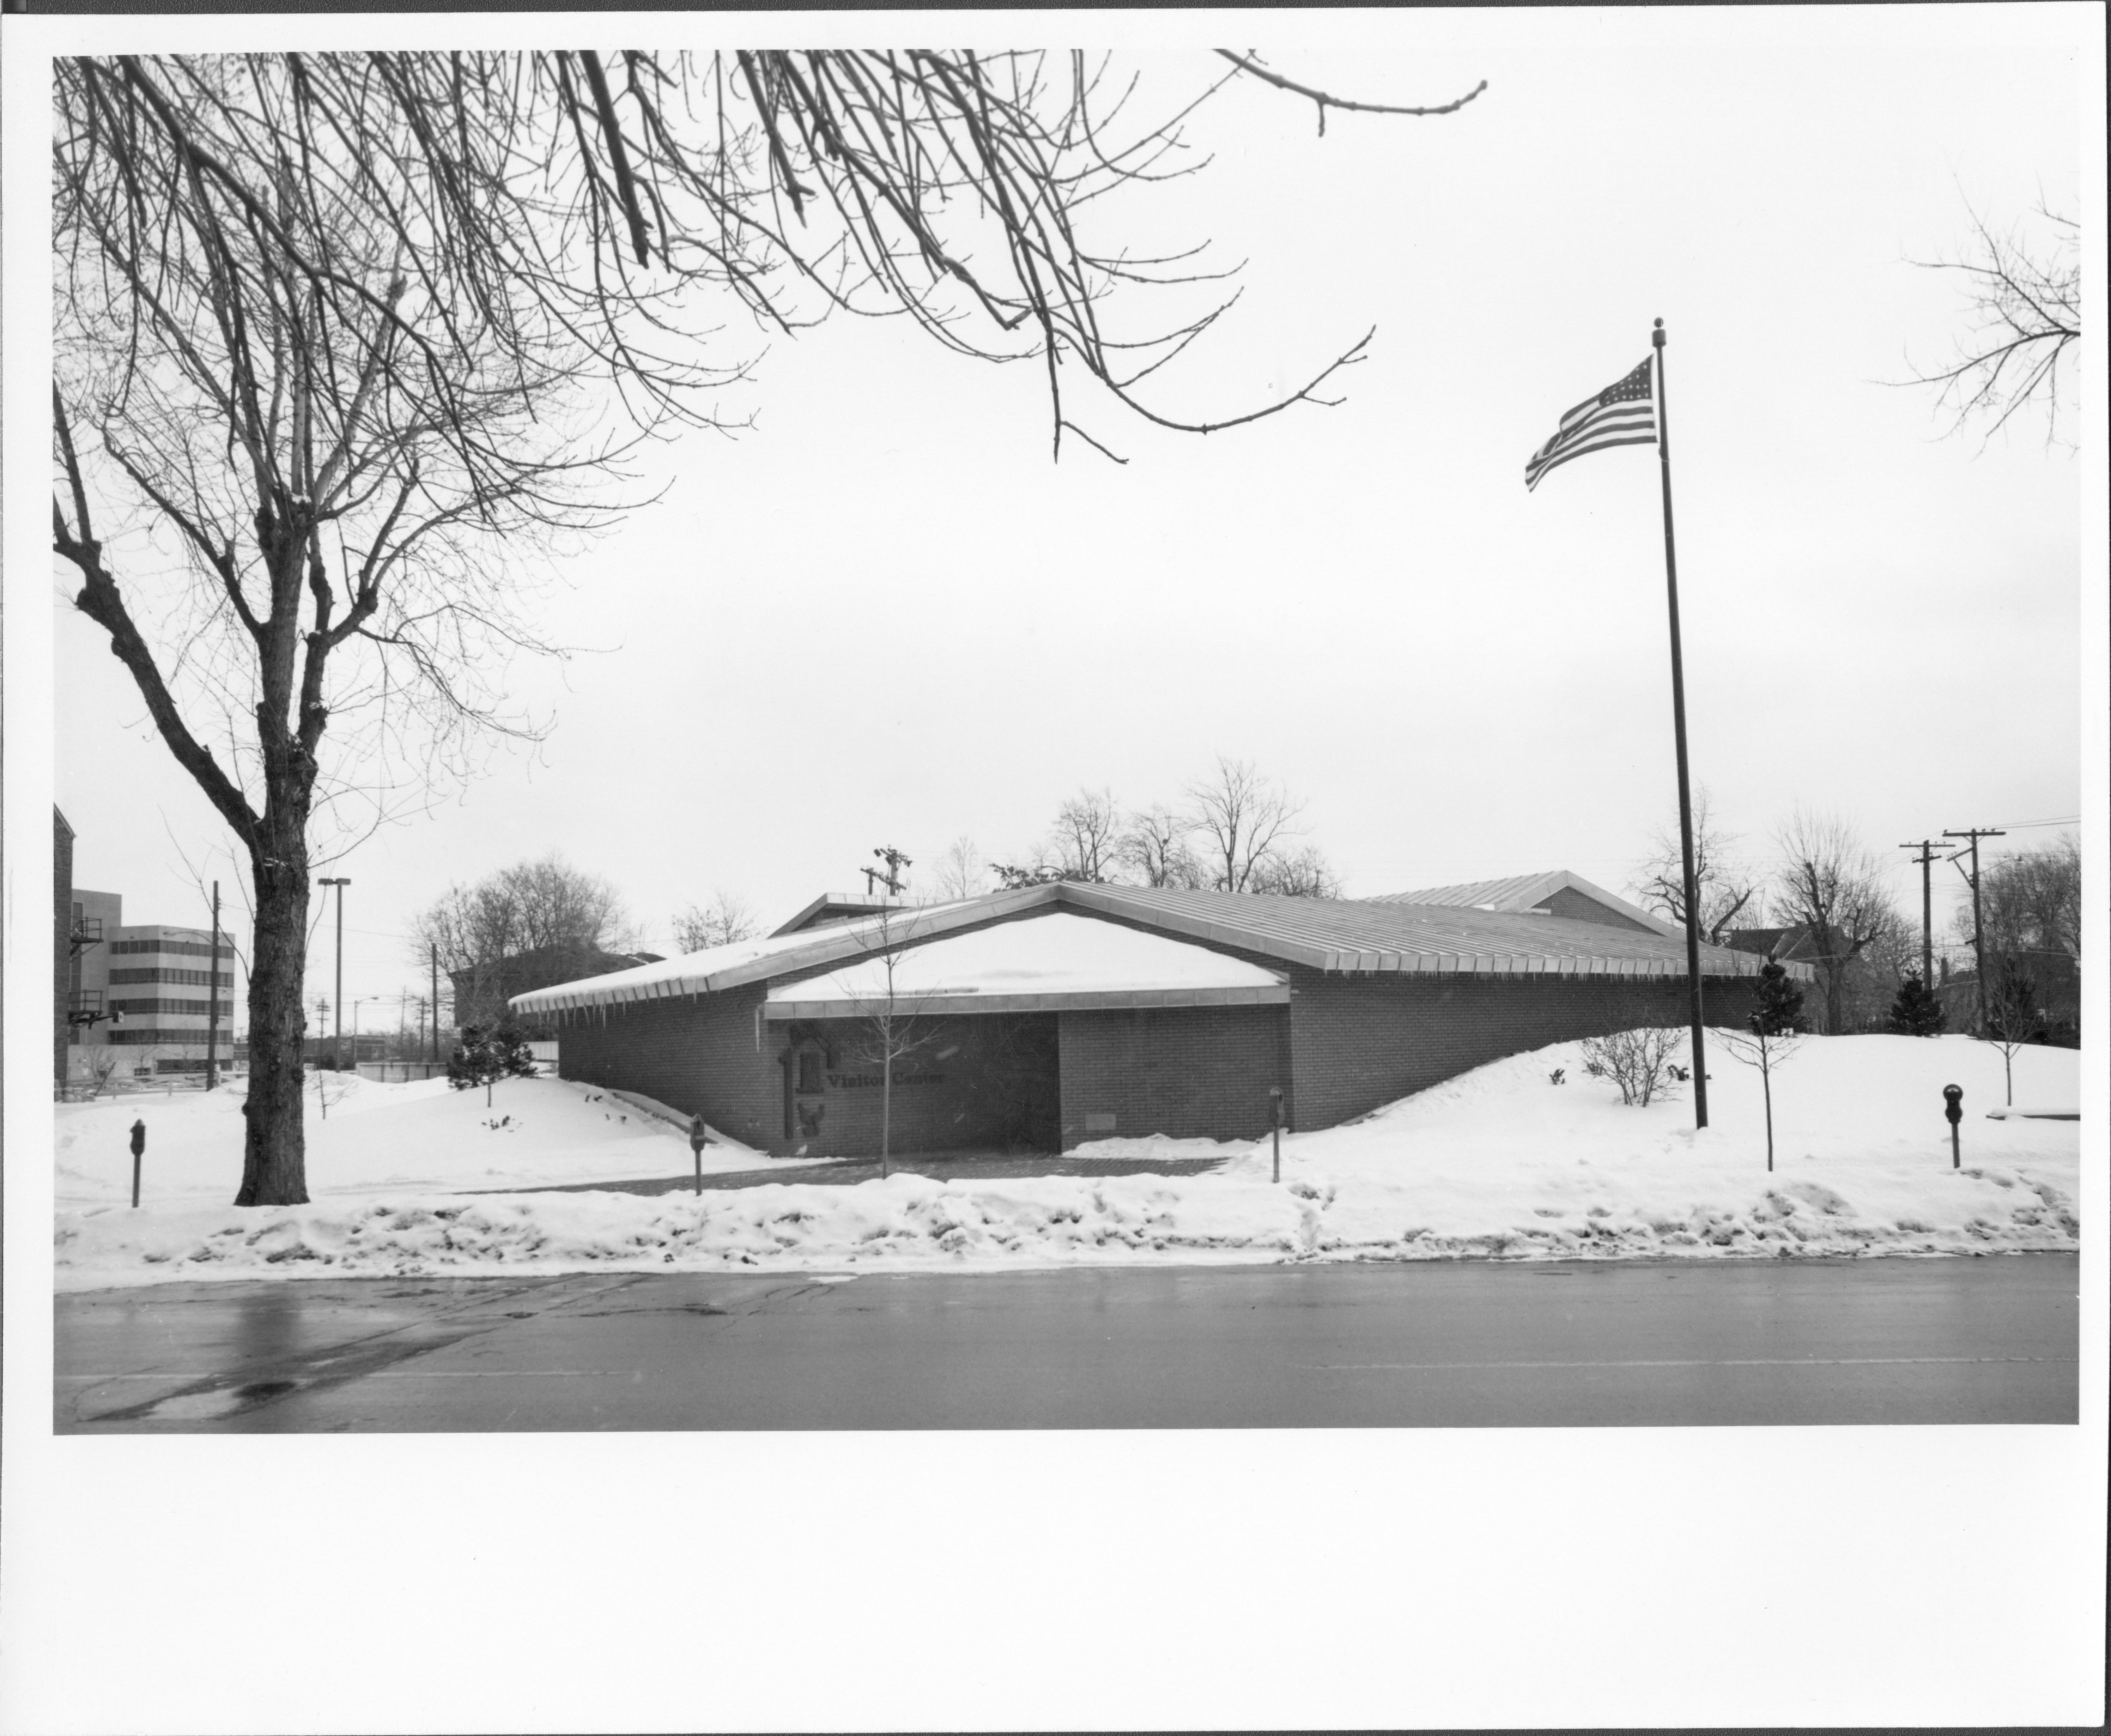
(697, 1141)
(1952, 1111)
(138, 1151)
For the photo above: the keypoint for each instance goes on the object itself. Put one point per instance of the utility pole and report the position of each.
(435, 1054)
(1978, 940)
(212, 999)
(336, 1049)
(895, 862)
(1927, 848)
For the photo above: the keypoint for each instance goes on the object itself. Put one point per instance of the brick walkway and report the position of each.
(851, 1171)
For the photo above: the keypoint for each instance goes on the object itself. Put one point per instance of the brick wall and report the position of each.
(973, 1085)
(1362, 1041)
(698, 1055)
(1190, 1072)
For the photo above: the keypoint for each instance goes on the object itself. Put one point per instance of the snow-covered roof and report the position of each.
(750, 961)
(1356, 936)
(834, 906)
(1523, 892)
(1049, 963)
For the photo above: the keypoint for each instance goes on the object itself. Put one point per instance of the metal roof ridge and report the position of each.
(1100, 895)
(838, 940)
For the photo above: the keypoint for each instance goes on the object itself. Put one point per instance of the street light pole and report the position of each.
(338, 1046)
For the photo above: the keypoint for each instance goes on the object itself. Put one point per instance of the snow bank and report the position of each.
(1499, 1162)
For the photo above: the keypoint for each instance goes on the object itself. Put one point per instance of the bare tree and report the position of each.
(2013, 1017)
(2024, 301)
(962, 872)
(557, 906)
(1300, 874)
(546, 908)
(1154, 848)
(727, 919)
(2031, 901)
(1725, 888)
(342, 326)
(1638, 1059)
(1239, 817)
(892, 1028)
(2030, 909)
(1770, 1035)
(1084, 844)
(1830, 886)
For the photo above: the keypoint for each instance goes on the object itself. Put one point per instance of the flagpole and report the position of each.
(1678, 733)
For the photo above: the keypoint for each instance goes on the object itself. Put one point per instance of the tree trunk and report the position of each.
(275, 1147)
(886, 1101)
(1767, 1089)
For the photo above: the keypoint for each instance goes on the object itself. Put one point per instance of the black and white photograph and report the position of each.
(1214, 870)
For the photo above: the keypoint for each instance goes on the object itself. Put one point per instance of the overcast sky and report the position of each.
(883, 616)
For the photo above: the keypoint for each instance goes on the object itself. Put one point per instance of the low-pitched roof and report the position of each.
(1358, 936)
(1523, 892)
(833, 907)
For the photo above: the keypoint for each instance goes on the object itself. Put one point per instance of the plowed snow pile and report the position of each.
(1500, 1162)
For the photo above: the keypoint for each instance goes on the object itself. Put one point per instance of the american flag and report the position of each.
(1624, 414)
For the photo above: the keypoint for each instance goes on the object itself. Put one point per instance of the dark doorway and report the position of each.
(1021, 1079)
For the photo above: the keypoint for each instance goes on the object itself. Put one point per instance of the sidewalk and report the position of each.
(938, 1165)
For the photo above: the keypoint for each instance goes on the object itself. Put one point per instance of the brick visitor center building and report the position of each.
(1053, 1015)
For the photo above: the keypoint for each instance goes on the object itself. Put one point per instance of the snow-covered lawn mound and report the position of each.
(419, 1136)
(1498, 1162)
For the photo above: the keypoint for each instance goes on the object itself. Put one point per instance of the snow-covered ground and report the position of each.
(373, 1137)
(1499, 1162)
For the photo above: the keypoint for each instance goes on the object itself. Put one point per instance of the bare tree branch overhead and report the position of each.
(342, 337)
(1251, 63)
(2024, 303)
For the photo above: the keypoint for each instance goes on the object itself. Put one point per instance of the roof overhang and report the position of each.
(970, 1002)
(1343, 936)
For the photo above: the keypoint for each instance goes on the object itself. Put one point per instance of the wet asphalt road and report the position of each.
(1466, 1344)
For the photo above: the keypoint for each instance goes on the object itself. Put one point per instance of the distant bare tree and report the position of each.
(1084, 843)
(2030, 904)
(2031, 901)
(1830, 886)
(727, 919)
(2024, 301)
(1300, 874)
(539, 907)
(1726, 888)
(1239, 818)
(1154, 848)
(962, 872)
